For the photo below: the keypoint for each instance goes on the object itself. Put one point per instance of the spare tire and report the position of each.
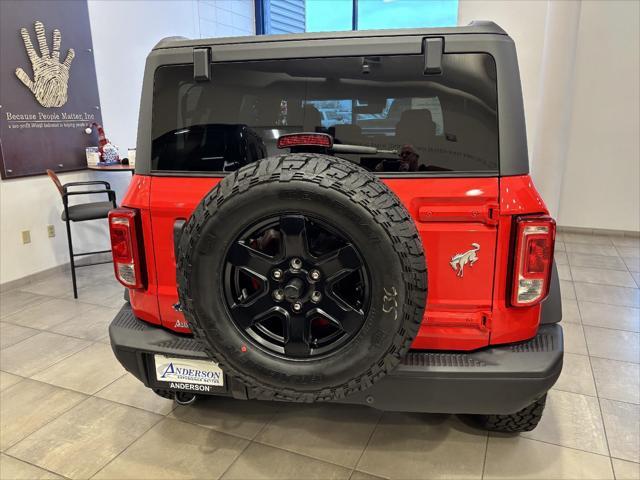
(304, 277)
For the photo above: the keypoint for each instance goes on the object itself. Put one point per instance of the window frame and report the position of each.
(418, 174)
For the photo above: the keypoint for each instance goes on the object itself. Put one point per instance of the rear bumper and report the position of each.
(497, 380)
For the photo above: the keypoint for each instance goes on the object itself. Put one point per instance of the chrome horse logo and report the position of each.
(461, 259)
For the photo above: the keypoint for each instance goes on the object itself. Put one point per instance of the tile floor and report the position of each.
(68, 410)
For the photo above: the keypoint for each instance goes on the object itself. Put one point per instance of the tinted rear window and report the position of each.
(444, 123)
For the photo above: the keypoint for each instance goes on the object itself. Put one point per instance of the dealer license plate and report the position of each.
(177, 370)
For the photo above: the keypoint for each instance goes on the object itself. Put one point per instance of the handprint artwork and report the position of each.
(50, 77)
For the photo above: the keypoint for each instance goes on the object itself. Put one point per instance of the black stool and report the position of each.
(81, 213)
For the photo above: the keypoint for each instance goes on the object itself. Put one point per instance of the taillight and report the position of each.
(305, 140)
(124, 228)
(533, 260)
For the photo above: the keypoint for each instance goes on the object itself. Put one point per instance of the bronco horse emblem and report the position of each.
(461, 259)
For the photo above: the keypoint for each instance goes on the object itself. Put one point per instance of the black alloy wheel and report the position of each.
(295, 286)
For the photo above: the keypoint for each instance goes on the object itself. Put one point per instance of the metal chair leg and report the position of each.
(71, 257)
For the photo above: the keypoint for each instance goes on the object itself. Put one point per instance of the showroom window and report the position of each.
(294, 16)
(445, 123)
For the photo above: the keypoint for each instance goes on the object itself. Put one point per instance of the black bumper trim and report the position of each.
(494, 380)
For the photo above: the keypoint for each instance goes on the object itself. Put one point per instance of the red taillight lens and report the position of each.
(533, 260)
(305, 140)
(124, 225)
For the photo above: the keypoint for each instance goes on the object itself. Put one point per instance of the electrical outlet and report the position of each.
(51, 231)
(26, 236)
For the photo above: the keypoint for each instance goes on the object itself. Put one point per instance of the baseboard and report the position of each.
(599, 231)
(44, 274)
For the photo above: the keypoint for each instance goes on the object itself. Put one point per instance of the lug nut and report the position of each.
(316, 296)
(296, 263)
(314, 274)
(296, 307)
(277, 274)
(278, 295)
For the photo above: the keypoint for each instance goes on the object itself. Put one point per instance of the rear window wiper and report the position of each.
(360, 149)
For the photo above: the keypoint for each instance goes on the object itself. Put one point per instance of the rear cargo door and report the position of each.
(457, 221)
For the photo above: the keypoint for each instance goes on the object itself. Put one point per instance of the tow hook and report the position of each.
(185, 398)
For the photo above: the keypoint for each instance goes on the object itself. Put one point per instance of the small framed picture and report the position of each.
(131, 155)
(93, 155)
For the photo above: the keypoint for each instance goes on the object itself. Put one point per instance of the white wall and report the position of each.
(123, 34)
(226, 18)
(601, 181)
(524, 21)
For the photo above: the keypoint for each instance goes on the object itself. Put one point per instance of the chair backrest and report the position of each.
(56, 180)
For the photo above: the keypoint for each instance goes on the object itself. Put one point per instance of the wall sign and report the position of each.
(48, 86)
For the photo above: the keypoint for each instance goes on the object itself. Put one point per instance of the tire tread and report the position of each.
(359, 186)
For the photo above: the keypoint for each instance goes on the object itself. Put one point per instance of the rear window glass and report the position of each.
(418, 123)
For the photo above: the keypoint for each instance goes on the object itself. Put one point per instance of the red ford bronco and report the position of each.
(339, 217)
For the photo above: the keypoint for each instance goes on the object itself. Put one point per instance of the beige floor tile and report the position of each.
(610, 316)
(611, 262)
(131, 391)
(559, 246)
(576, 375)
(628, 251)
(633, 242)
(636, 277)
(114, 301)
(622, 424)
(14, 301)
(357, 475)
(333, 433)
(567, 290)
(517, 457)
(632, 263)
(418, 446)
(626, 297)
(625, 470)
(48, 314)
(617, 380)
(14, 469)
(11, 334)
(614, 344)
(603, 250)
(83, 440)
(87, 371)
(603, 276)
(57, 285)
(263, 462)
(585, 238)
(28, 406)
(38, 352)
(173, 449)
(571, 420)
(564, 272)
(8, 379)
(560, 257)
(570, 311)
(91, 325)
(574, 338)
(101, 294)
(237, 417)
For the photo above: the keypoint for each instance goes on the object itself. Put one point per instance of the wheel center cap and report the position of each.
(293, 290)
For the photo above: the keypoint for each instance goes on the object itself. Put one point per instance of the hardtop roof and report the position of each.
(475, 27)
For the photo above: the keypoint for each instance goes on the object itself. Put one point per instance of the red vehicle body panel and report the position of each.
(463, 312)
